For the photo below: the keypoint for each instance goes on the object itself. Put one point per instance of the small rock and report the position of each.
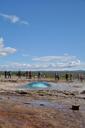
(83, 92)
(41, 104)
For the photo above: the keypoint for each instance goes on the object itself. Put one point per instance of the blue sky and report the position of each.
(42, 34)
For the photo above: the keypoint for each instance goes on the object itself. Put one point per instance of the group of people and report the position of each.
(39, 75)
(27, 74)
(67, 76)
(7, 74)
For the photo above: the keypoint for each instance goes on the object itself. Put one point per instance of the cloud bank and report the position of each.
(47, 63)
(4, 51)
(14, 19)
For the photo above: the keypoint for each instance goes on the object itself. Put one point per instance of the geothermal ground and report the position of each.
(40, 108)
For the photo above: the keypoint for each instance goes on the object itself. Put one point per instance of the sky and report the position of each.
(42, 35)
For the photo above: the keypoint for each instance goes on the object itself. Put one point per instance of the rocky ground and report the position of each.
(40, 109)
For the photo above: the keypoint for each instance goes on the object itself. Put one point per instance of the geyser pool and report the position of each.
(37, 85)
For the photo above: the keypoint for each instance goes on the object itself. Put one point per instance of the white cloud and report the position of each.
(59, 60)
(4, 51)
(37, 67)
(63, 58)
(65, 62)
(24, 22)
(13, 19)
(1, 42)
(25, 55)
(54, 63)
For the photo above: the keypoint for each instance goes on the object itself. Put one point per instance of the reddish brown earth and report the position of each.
(18, 111)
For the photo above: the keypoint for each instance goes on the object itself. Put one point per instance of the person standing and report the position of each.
(9, 74)
(66, 77)
(39, 75)
(30, 75)
(5, 74)
(56, 76)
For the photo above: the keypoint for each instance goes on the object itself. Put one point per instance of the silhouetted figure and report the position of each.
(9, 74)
(66, 77)
(19, 74)
(44, 76)
(27, 74)
(81, 78)
(39, 75)
(56, 76)
(30, 75)
(5, 74)
(70, 77)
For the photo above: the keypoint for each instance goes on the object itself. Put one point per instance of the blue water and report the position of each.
(34, 85)
(38, 85)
